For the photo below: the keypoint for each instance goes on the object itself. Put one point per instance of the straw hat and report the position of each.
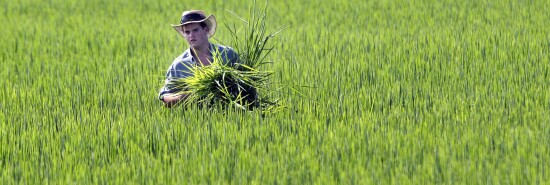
(196, 16)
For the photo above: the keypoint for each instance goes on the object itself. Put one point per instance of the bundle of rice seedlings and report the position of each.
(240, 84)
(221, 83)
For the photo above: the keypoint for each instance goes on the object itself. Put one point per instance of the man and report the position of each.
(196, 28)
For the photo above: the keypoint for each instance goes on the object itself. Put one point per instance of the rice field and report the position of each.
(399, 92)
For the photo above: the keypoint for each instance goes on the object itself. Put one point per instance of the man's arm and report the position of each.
(172, 99)
(177, 70)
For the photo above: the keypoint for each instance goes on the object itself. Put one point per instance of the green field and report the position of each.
(402, 92)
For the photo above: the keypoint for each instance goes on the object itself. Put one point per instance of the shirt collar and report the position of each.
(210, 48)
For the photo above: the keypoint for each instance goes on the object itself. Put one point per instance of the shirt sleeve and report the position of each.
(175, 71)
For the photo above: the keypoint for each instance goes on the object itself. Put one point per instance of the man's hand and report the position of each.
(172, 99)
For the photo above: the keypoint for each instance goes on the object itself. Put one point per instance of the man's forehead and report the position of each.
(191, 26)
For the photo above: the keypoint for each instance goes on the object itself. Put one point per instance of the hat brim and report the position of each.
(210, 21)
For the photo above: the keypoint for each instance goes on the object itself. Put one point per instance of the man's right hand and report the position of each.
(170, 100)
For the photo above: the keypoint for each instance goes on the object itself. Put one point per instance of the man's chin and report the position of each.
(193, 44)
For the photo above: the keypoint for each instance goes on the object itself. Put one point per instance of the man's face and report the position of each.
(196, 35)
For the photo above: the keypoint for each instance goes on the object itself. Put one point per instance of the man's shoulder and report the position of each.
(227, 53)
(223, 48)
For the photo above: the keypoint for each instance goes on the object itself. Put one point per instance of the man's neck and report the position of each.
(203, 50)
(202, 53)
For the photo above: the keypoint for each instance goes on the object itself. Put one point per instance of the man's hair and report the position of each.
(203, 25)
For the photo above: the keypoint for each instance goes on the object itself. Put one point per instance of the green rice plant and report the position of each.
(251, 40)
(431, 92)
